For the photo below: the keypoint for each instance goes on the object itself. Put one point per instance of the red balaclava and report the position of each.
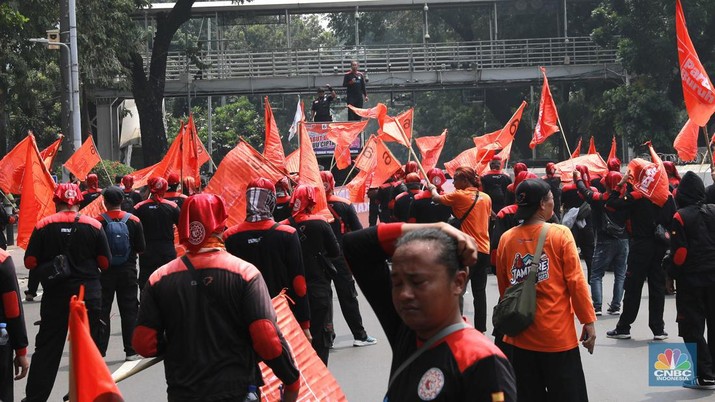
(611, 179)
(158, 187)
(92, 183)
(67, 193)
(411, 167)
(584, 173)
(523, 175)
(328, 181)
(519, 167)
(128, 183)
(614, 165)
(172, 179)
(202, 215)
(303, 199)
(283, 190)
(550, 169)
(412, 181)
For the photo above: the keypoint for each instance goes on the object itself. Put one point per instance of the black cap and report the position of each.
(113, 195)
(528, 197)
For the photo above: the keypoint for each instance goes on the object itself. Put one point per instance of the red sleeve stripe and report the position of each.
(103, 262)
(11, 305)
(30, 262)
(680, 255)
(388, 234)
(299, 286)
(3, 255)
(21, 352)
(265, 339)
(679, 218)
(144, 341)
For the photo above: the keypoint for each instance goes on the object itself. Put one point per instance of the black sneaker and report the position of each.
(613, 310)
(618, 334)
(700, 383)
(30, 296)
(598, 312)
(661, 336)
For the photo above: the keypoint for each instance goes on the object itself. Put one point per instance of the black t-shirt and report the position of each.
(158, 219)
(316, 237)
(136, 234)
(494, 184)
(355, 86)
(424, 210)
(321, 107)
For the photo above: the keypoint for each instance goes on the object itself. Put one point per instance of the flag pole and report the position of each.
(563, 135)
(101, 161)
(708, 152)
(412, 151)
(354, 164)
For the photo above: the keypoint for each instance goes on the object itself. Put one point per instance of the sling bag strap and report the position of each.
(466, 214)
(199, 283)
(539, 247)
(66, 248)
(428, 344)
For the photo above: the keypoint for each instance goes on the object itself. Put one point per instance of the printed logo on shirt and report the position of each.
(431, 384)
(520, 268)
(671, 364)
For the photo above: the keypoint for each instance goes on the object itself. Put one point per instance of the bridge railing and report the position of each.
(231, 63)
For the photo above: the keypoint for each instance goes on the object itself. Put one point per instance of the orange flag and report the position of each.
(697, 88)
(577, 151)
(343, 135)
(83, 160)
(547, 123)
(48, 154)
(504, 155)
(378, 112)
(612, 152)
(430, 149)
(236, 170)
(506, 135)
(592, 146)
(686, 143)
(193, 154)
(37, 191)
(386, 165)
(309, 172)
(473, 157)
(12, 166)
(293, 161)
(94, 208)
(273, 149)
(316, 381)
(650, 178)
(486, 139)
(397, 129)
(358, 186)
(90, 379)
(594, 162)
(367, 160)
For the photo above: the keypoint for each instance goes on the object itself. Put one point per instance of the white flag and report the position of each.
(296, 119)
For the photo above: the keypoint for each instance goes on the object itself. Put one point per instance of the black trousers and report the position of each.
(50, 340)
(645, 257)
(347, 296)
(549, 376)
(321, 320)
(478, 278)
(696, 307)
(357, 102)
(374, 212)
(123, 282)
(6, 373)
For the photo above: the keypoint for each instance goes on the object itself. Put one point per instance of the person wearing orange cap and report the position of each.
(210, 315)
(318, 245)
(424, 209)
(345, 221)
(81, 239)
(92, 192)
(158, 216)
(131, 197)
(172, 194)
(273, 248)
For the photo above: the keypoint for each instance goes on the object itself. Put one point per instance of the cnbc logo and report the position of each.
(671, 364)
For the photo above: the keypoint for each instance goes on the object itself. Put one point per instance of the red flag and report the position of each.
(193, 153)
(506, 135)
(386, 165)
(650, 178)
(397, 129)
(686, 143)
(90, 379)
(37, 192)
(430, 149)
(293, 161)
(309, 172)
(358, 186)
(592, 146)
(378, 112)
(594, 162)
(697, 87)
(472, 157)
(83, 160)
(273, 149)
(577, 151)
(547, 122)
(367, 160)
(343, 135)
(612, 152)
(236, 170)
(486, 139)
(94, 208)
(12, 166)
(48, 154)
(503, 155)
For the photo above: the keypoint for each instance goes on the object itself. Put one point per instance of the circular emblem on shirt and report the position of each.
(70, 194)
(296, 205)
(437, 180)
(431, 384)
(197, 233)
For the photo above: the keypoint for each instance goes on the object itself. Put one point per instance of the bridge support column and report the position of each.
(108, 128)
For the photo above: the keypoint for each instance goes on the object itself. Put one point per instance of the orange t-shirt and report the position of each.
(477, 223)
(561, 287)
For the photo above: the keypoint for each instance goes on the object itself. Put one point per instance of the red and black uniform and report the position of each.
(122, 280)
(133, 198)
(424, 210)
(282, 210)
(5, 220)
(89, 196)
(555, 184)
(89, 252)
(316, 237)
(346, 220)
(403, 204)
(464, 366)
(354, 82)
(211, 345)
(158, 217)
(176, 197)
(275, 251)
(12, 314)
(494, 183)
(386, 196)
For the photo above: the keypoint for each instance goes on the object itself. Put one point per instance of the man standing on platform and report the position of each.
(355, 82)
(321, 105)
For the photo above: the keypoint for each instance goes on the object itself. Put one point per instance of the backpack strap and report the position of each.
(126, 217)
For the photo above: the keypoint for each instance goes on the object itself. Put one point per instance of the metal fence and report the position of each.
(226, 64)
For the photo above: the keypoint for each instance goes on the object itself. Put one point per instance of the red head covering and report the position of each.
(68, 193)
(436, 176)
(328, 181)
(551, 168)
(496, 158)
(262, 182)
(614, 165)
(189, 185)
(412, 178)
(201, 216)
(411, 167)
(128, 182)
(583, 169)
(519, 167)
(303, 199)
(671, 170)
(523, 175)
(611, 179)
(92, 181)
(283, 188)
(158, 186)
(172, 179)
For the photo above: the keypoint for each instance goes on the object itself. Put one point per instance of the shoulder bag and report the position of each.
(457, 222)
(516, 309)
(59, 268)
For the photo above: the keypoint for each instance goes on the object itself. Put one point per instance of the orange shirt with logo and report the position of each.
(477, 223)
(561, 288)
